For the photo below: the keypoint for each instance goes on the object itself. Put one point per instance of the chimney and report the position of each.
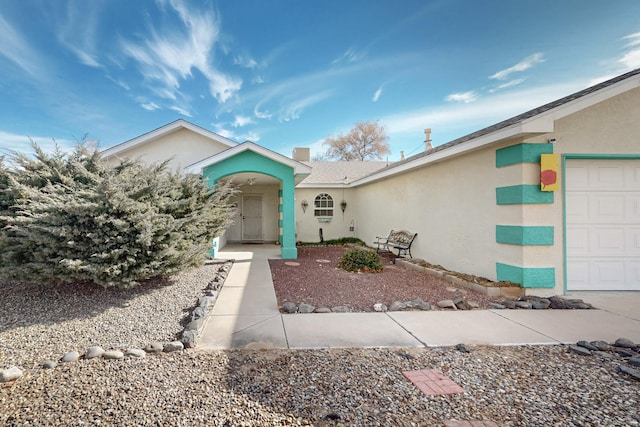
(301, 154)
(427, 139)
(401, 155)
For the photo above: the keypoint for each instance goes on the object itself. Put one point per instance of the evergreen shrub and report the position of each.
(361, 260)
(76, 218)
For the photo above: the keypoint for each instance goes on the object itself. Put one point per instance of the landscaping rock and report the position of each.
(189, 338)
(173, 346)
(605, 355)
(461, 304)
(49, 364)
(195, 325)
(206, 302)
(602, 345)
(473, 305)
(509, 304)
(135, 352)
(93, 352)
(306, 308)
(526, 305)
(379, 307)
(579, 350)
(496, 306)
(633, 373)
(540, 303)
(463, 348)
(154, 347)
(634, 361)
(10, 374)
(113, 355)
(624, 352)
(340, 309)
(198, 312)
(419, 304)
(323, 310)
(72, 356)
(625, 343)
(397, 306)
(289, 307)
(447, 303)
(587, 345)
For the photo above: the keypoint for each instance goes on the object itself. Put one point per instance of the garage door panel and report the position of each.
(603, 224)
(606, 208)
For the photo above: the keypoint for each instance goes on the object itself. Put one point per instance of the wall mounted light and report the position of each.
(304, 205)
(343, 205)
(552, 141)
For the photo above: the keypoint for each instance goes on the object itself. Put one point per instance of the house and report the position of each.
(480, 204)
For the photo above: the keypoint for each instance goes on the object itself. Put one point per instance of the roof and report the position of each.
(339, 173)
(164, 130)
(533, 122)
(299, 168)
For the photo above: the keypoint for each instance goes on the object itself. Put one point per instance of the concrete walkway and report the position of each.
(246, 315)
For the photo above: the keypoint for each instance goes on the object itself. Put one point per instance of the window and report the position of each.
(323, 205)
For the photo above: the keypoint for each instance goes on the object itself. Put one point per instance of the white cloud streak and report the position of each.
(464, 97)
(523, 65)
(12, 142)
(376, 95)
(78, 32)
(168, 56)
(241, 121)
(15, 48)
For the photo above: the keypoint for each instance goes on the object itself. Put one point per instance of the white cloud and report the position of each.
(523, 65)
(78, 31)
(241, 121)
(261, 114)
(245, 61)
(293, 109)
(377, 94)
(464, 97)
(15, 48)
(635, 39)
(181, 110)
(169, 55)
(150, 106)
(351, 55)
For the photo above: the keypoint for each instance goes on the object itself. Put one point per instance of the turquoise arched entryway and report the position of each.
(251, 158)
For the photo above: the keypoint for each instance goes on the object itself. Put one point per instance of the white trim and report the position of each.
(298, 167)
(164, 130)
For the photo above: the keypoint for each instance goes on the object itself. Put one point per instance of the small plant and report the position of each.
(360, 260)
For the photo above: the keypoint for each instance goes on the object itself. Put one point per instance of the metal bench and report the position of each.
(399, 240)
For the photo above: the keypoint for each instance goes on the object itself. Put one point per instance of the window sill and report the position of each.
(324, 219)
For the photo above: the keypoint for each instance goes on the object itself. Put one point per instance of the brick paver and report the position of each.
(432, 382)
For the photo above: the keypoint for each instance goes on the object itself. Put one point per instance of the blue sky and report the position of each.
(286, 73)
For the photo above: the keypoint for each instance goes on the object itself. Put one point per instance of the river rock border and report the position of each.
(622, 349)
(189, 336)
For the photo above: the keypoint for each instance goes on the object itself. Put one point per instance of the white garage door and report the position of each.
(603, 224)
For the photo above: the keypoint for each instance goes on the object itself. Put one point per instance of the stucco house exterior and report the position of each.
(481, 204)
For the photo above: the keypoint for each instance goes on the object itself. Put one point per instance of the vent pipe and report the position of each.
(427, 139)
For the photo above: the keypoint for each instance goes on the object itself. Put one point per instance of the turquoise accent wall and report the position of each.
(527, 277)
(522, 235)
(249, 161)
(523, 194)
(521, 153)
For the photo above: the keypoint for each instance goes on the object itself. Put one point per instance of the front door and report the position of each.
(252, 217)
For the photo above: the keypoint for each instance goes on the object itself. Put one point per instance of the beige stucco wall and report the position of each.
(183, 146)
(307, 225)
(452, 204)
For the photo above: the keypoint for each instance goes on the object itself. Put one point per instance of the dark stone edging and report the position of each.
(189, 335)
(622, 349)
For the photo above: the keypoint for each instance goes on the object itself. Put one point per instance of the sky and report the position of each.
(289, 73)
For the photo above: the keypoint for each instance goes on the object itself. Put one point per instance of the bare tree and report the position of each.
(366, 141)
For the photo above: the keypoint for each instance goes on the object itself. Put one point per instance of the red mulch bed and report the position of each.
(322, 284)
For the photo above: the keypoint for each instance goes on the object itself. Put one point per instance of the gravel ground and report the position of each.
(513, 386)
(359, 291)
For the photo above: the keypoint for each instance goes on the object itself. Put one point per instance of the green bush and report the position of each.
(360, 260)
(75, 218)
